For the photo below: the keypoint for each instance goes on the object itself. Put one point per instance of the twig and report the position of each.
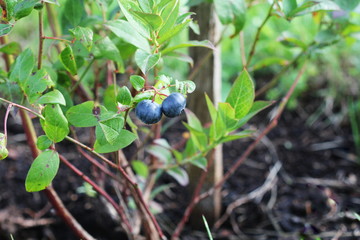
(56, 38)
(6, 119)
(258, 192)
(257, 36)
(242, 48)
(97, 188)
(41, 38)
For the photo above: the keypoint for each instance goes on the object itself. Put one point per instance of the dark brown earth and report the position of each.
(302, 182)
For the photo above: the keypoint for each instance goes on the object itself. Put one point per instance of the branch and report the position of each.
(97, 188)
(257, 36)
(41, 38)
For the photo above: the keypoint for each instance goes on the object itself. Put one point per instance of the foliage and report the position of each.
(73, 80)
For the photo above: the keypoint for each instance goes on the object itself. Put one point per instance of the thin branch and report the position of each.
(6, 119)
(41, 38)
(242, 48)
(97, 188)
(257, 36)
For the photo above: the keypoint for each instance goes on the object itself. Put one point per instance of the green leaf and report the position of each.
(54, 97)
(43, 142)
(36, 84)
(189, 86)
(173, 31)
(257, 107)
(211, 107)
(11, 48)
(125, 31)
(179, 174)
(154, 21)
(231, 11)
(137, 82)
(236, 136)
(146, 61)
(162, 153)
(74, 11)
(140, 168)
(9, 6)
(109, 130)
(289, 6)
(227, 114)
(313, 6)
(42, 171)
(110, 97)
(200, 162)
(137, 25)
(5, 29)
(124, 139)
(124, 96)
(292, 41)
(199, 138)
(24, 8)
(169, 14)
(84, 35)
(3, 150)
(105, 48)
(193, 121)
(265, 62)
(22, 67)
(205, 43)
(347, 4)
(55, 124)
(84, 114)
(68, 60)
(11, 91)
(242, 94)
(143, 96)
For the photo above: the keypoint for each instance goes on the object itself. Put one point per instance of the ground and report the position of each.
(301, 181)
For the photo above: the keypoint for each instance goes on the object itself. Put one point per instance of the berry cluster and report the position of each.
(150, 112)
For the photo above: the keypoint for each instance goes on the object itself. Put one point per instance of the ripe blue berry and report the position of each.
(173, 105)
(148, 112)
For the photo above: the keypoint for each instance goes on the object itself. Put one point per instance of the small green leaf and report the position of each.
(3, 150)
(179, 174)
(74, 11)
(169, 14)
(43, 142)
(173, 31)
(347, 5)
(124, 139)
(227, 113)
(143, 96)
(9, 6)
(11, 48)
(68, 60)
(154, 21)
(5, 29)
(289, 6)
(140, 168)
(199, 138)
(55, 124)
(255, 109)
(110, 101)
(211, 107)
(84, 114)
(54, 97)
(231, 11)
(162, 153)
(125, 31)
(124, 96)
(137, 82)
(200, 162)
(109, 130)
(84, 35)
(24, 8)
(242, 94)
(146, 61)
(42, 171)
(36, 84)
(105, 48)
(193, 121)
(189, 86)
(205, 43)
(22, 67)
(236, 136)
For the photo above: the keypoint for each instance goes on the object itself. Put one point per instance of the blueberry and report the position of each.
(173, 105)
(148, 112)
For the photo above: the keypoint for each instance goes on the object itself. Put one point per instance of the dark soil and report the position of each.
(301, 182)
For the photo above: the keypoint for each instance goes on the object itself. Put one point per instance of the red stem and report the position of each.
(97, 188)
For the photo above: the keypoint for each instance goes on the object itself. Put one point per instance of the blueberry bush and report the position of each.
(103, 67)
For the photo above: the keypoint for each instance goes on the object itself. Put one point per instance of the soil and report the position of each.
(301, 182)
